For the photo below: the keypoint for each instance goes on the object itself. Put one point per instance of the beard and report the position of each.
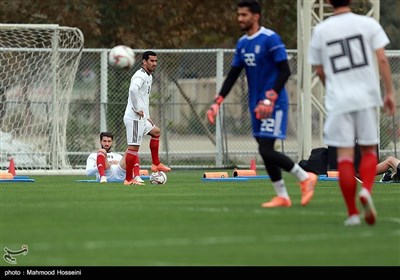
(107, 149)
(246, 26)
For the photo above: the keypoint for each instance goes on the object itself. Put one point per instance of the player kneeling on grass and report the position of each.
(106, 165)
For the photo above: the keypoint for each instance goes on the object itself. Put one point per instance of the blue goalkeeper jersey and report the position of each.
(259, 54)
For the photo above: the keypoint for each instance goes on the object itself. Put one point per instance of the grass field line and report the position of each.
(280, 211)
(391, 219)
(205, 241)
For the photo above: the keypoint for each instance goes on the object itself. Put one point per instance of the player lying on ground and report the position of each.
(390, 168)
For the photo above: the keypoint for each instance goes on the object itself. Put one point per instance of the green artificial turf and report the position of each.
(188, 222)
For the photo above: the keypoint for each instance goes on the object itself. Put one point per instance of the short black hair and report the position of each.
(340, 3)
(253, 6)
(106, 134)
(146, 54)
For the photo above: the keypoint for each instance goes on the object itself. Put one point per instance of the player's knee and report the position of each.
(155, 132)
(391, 159)
(103, 151)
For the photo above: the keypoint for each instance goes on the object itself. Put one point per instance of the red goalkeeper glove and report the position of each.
(265, 107)
(213, 111)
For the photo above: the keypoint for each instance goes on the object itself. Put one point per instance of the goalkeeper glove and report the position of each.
(213, 111)
(265, 107)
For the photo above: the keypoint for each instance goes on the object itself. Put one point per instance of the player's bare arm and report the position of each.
(384, 70)
(320, 72)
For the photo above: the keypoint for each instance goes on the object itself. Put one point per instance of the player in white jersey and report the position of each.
(104, 164)
(262, 54)
(344, 48)
(137, 120)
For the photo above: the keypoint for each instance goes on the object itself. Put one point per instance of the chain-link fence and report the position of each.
(185, 82)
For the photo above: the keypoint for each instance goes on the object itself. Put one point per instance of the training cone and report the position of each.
(11, 167)
(253, 165)
(215, 175)
(143, 172)
(333, 173)
(6, 176)
(247, 172)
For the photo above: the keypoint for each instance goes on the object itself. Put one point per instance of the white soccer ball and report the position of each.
(121, 57)
(158, 178)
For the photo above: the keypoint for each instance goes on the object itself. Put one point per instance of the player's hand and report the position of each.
(389, 104)
(140, 113)
(214, 108)
(265, 107)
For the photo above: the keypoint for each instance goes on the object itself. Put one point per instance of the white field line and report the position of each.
(203, 241)
(277, 211)
(213, 240)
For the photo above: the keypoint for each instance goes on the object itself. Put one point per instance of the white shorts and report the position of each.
(115, 173)
(136, 129)
(342, 130)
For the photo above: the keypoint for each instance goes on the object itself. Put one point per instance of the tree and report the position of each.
(146, 24)
(390, 11)
(172, 23)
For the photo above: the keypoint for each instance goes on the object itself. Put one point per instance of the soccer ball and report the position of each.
(121, 57)
(158, 178)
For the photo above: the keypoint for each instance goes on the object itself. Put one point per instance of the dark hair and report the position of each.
(106, 134)
(253, 6)
(146, 54)
(340, 3)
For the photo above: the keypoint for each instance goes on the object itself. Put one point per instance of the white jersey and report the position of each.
(345, 46)
(91, 162)
(139, 93)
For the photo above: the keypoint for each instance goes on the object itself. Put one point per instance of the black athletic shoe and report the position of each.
(387, 177)
(396, 177)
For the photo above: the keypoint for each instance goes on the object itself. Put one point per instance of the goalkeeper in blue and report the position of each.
(262, 54)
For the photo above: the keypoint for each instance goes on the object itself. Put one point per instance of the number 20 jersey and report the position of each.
(345, 45)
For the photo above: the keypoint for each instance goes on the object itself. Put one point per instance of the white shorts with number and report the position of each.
(136, 129)
(342, 130)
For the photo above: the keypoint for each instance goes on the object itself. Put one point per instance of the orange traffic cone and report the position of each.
(11, 167)
(253, 165)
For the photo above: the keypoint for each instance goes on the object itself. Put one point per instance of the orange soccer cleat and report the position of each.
(307, 188)
(277, 201)
(160, 167)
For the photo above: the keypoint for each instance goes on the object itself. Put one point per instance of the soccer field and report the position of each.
(188, 222)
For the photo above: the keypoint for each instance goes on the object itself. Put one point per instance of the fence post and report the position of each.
(103, 91)
(219, 123)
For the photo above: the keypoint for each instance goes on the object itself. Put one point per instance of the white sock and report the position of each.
(299, 172)
(280, 188)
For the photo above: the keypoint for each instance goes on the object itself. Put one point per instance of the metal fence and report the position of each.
(185, 82)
